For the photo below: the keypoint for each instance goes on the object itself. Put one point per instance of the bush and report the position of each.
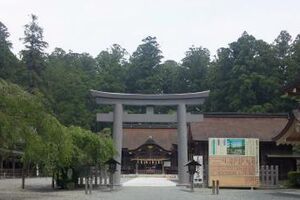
(294, 179)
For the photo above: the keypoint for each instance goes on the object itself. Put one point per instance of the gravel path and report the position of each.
(40, 189)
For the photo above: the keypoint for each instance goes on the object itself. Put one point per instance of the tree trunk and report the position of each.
(13, 166)
(1, 165)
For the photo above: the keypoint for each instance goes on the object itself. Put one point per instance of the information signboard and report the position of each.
(234, 162)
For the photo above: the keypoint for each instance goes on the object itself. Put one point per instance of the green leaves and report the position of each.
(143, 67)
(248, 77)
(33, 56)
(26, 126)
(90, 148)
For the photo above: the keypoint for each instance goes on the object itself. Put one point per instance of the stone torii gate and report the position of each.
(181, 118)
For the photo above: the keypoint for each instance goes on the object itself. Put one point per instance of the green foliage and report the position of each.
(68, 78)
(26, 126)
(246, 77)
(195, 66)
(20, 113)
(294, 179)
(111, 68)
(33, 56)
(90, 148)
(167, 77)
(9, 65)
(143, 67)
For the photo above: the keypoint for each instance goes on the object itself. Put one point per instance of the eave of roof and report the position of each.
(279, 139)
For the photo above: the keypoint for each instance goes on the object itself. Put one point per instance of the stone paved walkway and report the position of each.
(40, 189)
(149, 182)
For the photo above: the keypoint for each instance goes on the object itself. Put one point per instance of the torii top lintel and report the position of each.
(149, 99)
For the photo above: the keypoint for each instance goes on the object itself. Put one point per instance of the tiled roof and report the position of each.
(264, 127)
(134, 137)
(290, 134)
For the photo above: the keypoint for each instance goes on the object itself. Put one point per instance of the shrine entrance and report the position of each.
(149, 167)
(149, 158)
(181, 118)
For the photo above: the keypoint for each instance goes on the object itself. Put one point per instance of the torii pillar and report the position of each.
(117, 139)
(182, 148)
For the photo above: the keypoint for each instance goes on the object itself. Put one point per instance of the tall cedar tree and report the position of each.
(33, 56)
(143, 66)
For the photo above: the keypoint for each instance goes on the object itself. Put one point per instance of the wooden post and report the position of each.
(53, 180)
(277, 174)
(217, 187)
(136, 167)
(267, 175)
(111, 181)
(86, 185)
(1, 165)
(192, 182)
(23, 177)
(262, 175)
(105, 176)
(100, 176)
(91, 184)
(96, 176)
(13, 166)
(272, 175)
(213, 187)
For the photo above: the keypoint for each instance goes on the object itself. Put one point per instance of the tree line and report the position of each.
(247, 76)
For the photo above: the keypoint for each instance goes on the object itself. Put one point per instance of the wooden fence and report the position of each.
(269, 176)
(16, 173)
(98, 177)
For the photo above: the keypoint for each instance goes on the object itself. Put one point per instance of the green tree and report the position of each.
(26, 126)
(68, 78)
(167, 74)
(111, 67)
(8, 61)
(195, 64)
(245, 77)
(293, 71)
(33, 56)
(282, 48)
(143, 65)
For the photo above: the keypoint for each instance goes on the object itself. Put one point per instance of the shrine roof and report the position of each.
(262, 126)
(290, 134)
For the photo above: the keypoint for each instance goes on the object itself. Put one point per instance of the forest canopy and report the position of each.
(246, 76)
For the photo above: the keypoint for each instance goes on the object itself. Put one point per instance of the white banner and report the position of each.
(198, 176)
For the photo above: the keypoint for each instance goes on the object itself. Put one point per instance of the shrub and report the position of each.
(294, 179)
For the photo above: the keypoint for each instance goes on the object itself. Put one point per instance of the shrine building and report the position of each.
(152, 148)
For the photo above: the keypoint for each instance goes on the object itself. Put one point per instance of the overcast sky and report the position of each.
(94, 25)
